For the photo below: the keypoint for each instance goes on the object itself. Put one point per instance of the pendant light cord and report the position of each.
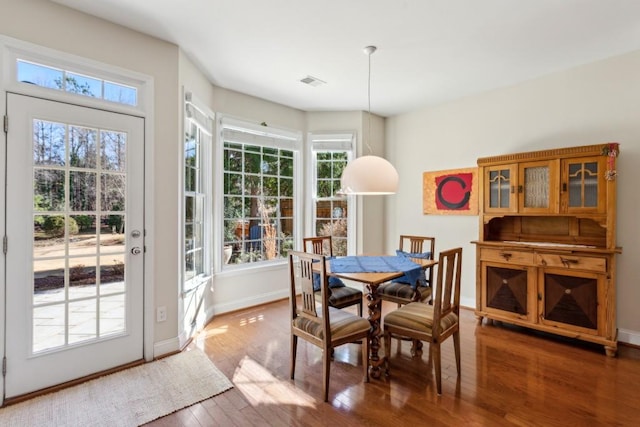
(369, 51)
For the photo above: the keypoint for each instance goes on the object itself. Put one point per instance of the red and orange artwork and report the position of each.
(451, 192)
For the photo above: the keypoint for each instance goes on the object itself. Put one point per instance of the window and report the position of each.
(331, 212)
(197, 212)
(67, 81)
(259, 167)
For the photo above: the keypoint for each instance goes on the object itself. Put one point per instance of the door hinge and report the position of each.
(4, 366)
(5, 244)
(6, 124)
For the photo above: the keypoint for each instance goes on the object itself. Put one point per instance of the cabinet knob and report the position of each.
(506, 255)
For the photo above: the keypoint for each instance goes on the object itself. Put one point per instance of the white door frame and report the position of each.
(10, 50)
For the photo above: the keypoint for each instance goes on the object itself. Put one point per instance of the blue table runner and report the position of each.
(379, 264)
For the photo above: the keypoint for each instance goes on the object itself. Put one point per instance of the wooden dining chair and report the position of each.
(400, 291)
(318, 323)
(431, 323)
(340, 295)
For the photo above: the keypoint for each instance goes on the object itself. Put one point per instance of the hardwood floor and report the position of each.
(510, 376)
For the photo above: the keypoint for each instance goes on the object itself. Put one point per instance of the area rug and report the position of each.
(128, 398)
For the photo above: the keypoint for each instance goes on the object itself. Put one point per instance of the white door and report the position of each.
(75, 252)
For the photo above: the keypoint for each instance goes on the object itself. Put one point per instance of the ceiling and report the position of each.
(429, 51)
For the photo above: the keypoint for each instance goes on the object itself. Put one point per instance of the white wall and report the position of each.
(591, 104)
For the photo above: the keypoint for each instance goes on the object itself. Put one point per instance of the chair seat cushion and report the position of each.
(341, 322)
(418, 316)
(403, 291)
(342, 296)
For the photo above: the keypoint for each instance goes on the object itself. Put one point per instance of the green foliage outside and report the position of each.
(54, 226)
(84, 221)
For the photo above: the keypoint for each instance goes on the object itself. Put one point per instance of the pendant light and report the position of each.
(369, 175)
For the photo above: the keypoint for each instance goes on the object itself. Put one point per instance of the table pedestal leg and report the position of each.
(375, 313)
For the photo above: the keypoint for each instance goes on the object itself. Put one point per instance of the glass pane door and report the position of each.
(74, 290)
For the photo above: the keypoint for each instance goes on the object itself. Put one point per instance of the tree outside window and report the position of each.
(258, 201)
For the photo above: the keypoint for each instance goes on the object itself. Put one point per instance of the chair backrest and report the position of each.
(302, 267)
(417, 244)
(447, 288)
(321, 245)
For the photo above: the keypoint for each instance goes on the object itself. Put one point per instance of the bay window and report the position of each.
(259, 167)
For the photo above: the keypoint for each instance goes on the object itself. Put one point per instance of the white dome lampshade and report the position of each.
(369, 175)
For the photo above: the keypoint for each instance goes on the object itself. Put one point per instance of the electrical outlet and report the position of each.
(161, 314)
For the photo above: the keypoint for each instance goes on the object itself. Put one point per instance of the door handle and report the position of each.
(136, 250)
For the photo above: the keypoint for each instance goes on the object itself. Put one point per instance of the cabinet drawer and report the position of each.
(506, 256)
(572, 262)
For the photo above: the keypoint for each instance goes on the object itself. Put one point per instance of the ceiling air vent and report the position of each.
(312, 81)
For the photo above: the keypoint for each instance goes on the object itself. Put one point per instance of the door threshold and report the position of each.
(52, 389)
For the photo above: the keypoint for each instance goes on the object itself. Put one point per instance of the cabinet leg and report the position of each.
(479, 319)
(610, 351)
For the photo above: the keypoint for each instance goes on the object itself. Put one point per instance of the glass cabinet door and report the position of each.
(538, 187)
(583, 185)
(501, 189)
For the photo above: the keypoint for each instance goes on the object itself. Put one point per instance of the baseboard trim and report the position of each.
(246, 302)
(629, 337)
(469, 303)
(161, 348)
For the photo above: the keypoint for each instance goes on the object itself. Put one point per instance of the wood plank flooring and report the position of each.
(510, 377)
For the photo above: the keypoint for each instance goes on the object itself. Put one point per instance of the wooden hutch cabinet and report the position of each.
(546, 249)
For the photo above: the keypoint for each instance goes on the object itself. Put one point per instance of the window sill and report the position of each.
(195, 283)
(252, 268)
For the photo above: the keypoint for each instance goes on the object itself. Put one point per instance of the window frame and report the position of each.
(17, 50)
(239, 131)
(198, 116)
(331, 142)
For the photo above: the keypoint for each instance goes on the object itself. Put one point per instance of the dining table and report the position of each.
(362, 270)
